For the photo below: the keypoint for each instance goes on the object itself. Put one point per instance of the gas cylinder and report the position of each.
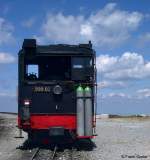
(88, 111)
(80, 111)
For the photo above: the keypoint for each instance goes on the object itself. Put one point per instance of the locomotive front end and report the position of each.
(57, 90)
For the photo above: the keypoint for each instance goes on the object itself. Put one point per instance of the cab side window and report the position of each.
(81, 68)
(32, 71)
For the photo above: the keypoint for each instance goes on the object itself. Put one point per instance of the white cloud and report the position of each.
(62, 28)
(28, 23)
(108, 26)
(127, 66)
(117, 95)
(114, 95)
(7, 94)
(138, 94)
(6, 58)
(6, 31)
(86, 30)
(112, 84)
(104, 63)
(143, 93)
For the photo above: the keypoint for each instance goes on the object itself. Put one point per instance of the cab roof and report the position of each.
(63, 49)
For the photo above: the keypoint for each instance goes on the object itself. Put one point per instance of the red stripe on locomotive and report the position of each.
(47, 121)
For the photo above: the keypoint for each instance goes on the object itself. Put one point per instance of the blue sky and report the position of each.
(119, 31)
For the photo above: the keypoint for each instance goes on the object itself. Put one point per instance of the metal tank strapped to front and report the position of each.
(88, 111)
(80, 111)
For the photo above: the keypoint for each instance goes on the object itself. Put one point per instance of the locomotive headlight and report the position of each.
(57, 89)
(26, 110)
(26, 102)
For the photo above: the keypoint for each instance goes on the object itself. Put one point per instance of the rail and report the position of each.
(53, 154)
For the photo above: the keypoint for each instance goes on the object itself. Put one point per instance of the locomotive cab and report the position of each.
(57, 89)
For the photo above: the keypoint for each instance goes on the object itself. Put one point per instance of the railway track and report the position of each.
(55, 154)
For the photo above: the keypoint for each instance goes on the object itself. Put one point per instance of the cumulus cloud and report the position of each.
(108, 26)
(6, 31)
(6, 58)
(127, 66)
(62, 28)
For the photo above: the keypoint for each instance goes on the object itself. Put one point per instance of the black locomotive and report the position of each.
(57, 90)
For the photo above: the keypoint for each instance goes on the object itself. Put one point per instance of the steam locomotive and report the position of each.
(57, 91)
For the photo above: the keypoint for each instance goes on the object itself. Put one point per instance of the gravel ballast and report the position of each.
(118, 138)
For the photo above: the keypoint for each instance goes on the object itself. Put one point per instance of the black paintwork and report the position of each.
(48, 102)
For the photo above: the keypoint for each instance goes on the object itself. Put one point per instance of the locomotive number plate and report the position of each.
(41, 89)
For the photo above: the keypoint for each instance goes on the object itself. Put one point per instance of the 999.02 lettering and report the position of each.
(41, 89)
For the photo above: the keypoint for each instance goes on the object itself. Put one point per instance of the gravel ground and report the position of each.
(8, 131)
(120, 138)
